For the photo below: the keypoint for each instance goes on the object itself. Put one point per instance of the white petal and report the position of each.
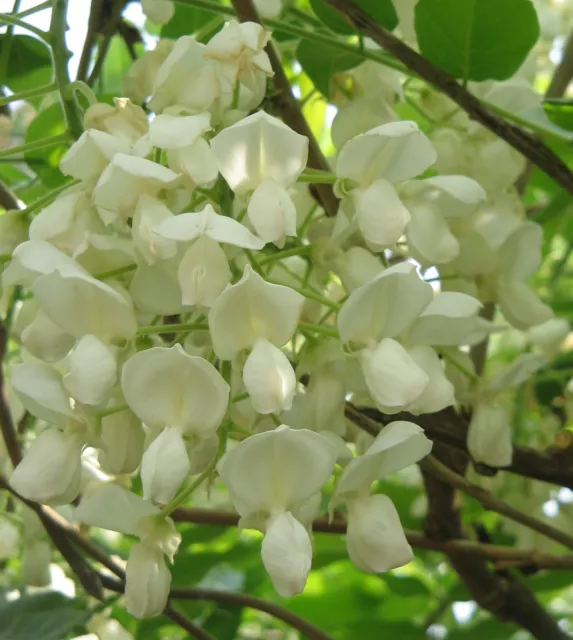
(177, 132)
(276, 470)
(448, 320)
(124, 180)
(9, 539)
(460, 189)
(489, 436)
(429, 235)
(164, 467)
(203, 273)
(155, 289)
(259, 147)
(36, 559)
(439, 393)
(269, 378)
(381, 215)
(167, 387)
(45, 340)
(32, 259)
(114, 508)
(82, 305)
(520, 255)
(91, 371)
(272, 212)
(252, 309)
(287, 554)
(50, 471)
(123, 437)
(189, 226)
(399, 445)
(394, 151)
(357, 267)
(520, 305)
(520, 370)
(39, 386)
(392, 376)
(371, 312)
(147, 581)
(90, 155)
(159, 12)
(198, 162)
(149, 213)
(375, 539)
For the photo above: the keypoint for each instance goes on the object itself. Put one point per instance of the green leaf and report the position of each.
(49, 616)
(476, 39)
(30, 63)
(186, 21)
(373, 630)
(320, 61)
(45, 162)
(382, 11)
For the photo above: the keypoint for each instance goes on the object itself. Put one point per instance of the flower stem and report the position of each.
(40, 7)
(6, 18)
(300, 32)
(31, 93)
(40, 202)
(170, 328)
(111, 410)
(311, 295)
(287, 253)
(45, 143)
(116, 272)
(182, 497)
(446, 356)
(317, 177)
(316, 328)
(84, 89)
(60, 57)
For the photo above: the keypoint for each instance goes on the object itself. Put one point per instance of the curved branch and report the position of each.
(532, 148)
(418, 540)
(489, 501)
(552, 465)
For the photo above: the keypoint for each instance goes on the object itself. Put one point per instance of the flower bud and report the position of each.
(126, 121)
(269, 378)
(286, 553)
(147, 581)
(50, 471)
(489, 436)
(164, 466)
(35, 566)
(375, 539)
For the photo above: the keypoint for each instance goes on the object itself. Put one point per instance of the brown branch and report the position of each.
(529, 145)
(240, 600)
(563, 73)
(218, 517)
(291, 113)
(552, 465)
(501, 594)
(7, 425)
(433, 466)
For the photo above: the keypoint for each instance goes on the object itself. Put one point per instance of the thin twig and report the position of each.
(489, 501)
(529, 145)
(219, 517)
(290, 110)
(94, 22)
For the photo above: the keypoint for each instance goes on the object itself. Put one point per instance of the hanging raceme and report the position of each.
(186, 309)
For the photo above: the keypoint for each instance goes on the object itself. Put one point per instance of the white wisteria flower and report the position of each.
(270, 477)
(375, 538)
(369, 166)
(262, 156)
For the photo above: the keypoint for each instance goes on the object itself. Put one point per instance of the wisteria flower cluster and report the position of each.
(192, 311)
